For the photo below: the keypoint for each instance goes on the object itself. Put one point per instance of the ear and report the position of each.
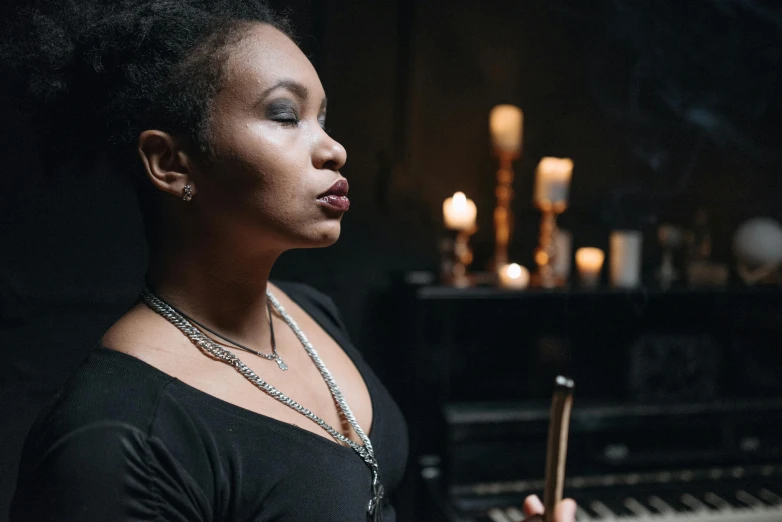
(167, 165)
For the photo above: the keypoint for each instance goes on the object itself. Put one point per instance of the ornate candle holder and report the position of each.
(546, 251)
(503, 215)
(462, 253)
(506, 125)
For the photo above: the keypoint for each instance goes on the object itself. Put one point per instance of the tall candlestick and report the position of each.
(552, 181)
(459, 212)
(506, 123)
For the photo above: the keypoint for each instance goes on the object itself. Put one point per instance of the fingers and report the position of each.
(532, 506)
(564, 512)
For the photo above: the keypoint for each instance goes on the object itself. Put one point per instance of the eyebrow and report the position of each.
(299, 90)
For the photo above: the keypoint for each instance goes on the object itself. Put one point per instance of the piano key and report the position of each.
(770, 497)
(581, 515)
(748, 499)
(693, 502)
(617, 506)
(660, 505)
(729, 495)
(498, 515)
(717, 501)
(515, 514)
(603, 512)
(674, 500)
(636, 507)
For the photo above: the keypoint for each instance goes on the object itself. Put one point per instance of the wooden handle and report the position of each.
(556, 454)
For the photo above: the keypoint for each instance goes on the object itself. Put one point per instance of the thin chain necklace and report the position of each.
(366, 452)
(274, 356)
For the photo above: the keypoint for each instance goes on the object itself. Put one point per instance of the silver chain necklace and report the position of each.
(366, 452)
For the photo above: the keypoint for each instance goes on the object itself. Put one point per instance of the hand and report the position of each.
(565, 511)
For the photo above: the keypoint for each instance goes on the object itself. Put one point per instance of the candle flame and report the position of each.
(459, 200)
(514, 270)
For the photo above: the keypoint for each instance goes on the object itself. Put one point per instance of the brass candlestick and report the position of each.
(546, 251)
(503, 215)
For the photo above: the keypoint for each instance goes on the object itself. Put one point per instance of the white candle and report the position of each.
(514, 276)
(589, 262)
(459, 212)
(626, 258)
(563, 254)
(506, 123)
(552, 180)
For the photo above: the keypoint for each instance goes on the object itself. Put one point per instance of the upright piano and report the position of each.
(677, 412)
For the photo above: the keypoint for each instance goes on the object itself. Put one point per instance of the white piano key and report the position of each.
(498, 515)
(603, 511)
(660, 505)
(515, 514)
(749, 499)
(636, 507)
(692, 502)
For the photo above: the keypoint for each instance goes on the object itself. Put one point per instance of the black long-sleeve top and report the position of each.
(124, 441)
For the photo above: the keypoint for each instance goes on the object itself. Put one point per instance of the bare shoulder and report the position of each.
(144, 334)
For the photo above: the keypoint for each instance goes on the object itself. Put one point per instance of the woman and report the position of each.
(219, 395)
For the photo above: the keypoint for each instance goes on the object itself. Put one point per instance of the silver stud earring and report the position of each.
(187, 193)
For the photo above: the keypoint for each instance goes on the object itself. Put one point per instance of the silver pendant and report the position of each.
(375, 508)
(281, 364)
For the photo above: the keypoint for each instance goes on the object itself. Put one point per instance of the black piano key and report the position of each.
(749, 499)
(603, 512)
(497, 515)
(617, 505)
(637, 507)
(674, 500)
(693, 502)
(718, 501)
(732, 497)
(770, 496)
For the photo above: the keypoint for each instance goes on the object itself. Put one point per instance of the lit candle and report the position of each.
(459, 212)
(589, 262)
(514, 276)
(506, 123)
(552, 180)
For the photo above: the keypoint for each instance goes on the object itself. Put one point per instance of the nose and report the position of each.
(329, 153)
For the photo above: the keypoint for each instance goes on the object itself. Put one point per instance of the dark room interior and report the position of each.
(669, 324)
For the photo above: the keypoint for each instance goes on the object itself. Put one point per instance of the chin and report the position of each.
(326, 234)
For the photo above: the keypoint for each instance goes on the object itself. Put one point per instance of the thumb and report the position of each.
(565, 511)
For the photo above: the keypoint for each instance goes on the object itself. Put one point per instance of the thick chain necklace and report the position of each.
(366, 452)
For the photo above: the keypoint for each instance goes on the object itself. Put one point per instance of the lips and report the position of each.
(336, 196)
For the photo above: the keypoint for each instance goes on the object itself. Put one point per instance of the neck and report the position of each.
(217, 282)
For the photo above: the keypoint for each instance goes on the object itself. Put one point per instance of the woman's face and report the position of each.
(274, 175)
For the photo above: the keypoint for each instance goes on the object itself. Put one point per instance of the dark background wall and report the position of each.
(664, 107)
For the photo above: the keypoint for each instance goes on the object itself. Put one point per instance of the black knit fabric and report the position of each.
(125, 441)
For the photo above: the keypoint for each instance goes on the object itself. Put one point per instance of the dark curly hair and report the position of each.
(111, 68)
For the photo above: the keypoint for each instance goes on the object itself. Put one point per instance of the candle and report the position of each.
(506, 123)
(563, 248)
(459, 212)
(626, 258)
(514, 276)
(552, 180)
(589, 262)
